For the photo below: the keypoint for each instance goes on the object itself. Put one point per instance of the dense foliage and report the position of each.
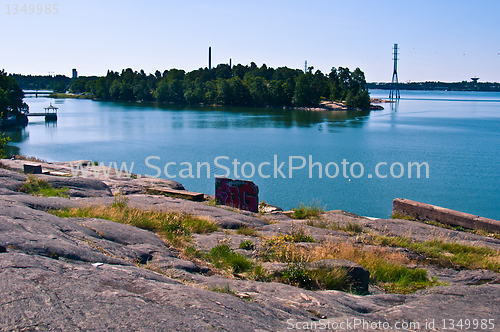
(238, 85)
(11, 96)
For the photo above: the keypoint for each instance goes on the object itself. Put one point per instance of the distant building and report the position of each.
(474, 79)
(75, 73)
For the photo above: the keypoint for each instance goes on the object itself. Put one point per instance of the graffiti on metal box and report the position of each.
(240, 194)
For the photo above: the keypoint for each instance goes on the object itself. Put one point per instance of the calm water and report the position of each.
(456, 133)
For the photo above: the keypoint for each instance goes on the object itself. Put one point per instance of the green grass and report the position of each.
(39, 187)
(176, 227)
(70, 96)
(396, 278)
(307, 211)
(247, 245)
(223, 289)
(192, 252)
(222, 256)
(243, 230)
(449, 254)
(397, 215)
(212, 202)
(297, 274)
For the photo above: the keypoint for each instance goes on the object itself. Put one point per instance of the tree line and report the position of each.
(237, 85)
(448, 86)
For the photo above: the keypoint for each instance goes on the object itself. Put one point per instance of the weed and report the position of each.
(244, 230)
(298, 274)
(39, 187)
(352, 227)
(191, 251)
(247, 245)
(212, 202)
(280, 249)
(260, 274)
(222, 256)
(307, 211)
(298, 235)
(224, 289)
(397, 215)
(120, 201)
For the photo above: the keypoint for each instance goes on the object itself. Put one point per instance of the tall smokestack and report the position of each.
(209, 58)
(230, 64)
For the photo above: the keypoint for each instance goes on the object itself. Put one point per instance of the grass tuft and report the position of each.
(307, 211)
(244, 230)
(247, 245)
(224, 289)
(39, 187)
(222, 256)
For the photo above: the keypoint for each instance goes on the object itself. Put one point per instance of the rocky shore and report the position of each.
(93, 274)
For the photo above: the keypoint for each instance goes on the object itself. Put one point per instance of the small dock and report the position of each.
(50, 113)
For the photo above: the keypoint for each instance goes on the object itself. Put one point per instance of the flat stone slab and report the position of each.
(192, 196)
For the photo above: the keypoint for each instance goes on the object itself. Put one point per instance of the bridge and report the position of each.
(37, 92)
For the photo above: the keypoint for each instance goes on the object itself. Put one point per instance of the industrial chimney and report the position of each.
(209, 58)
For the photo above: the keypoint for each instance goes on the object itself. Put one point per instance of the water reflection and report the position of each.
(239, 117)
(15, 136)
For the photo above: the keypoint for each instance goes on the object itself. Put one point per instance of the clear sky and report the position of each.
(446, 40)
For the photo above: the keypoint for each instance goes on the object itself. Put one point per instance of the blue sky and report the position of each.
(439, 40)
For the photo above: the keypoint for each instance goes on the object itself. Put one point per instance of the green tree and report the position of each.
(259, 91)
(126, 92)
(11, 97)
(78, 85)
(210, 90)
(224, 93)
(101, 88)
(241, 92)
(305, 93)
(60, 87)
(114, 89)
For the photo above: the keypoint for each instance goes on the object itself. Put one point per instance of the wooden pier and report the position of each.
(50, 113)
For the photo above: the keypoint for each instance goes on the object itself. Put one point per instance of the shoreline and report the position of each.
(323, 106)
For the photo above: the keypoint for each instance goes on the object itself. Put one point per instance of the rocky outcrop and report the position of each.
(60, 274)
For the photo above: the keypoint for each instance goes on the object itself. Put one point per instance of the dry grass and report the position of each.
(176, 227)
(388, 269)
(448, 254)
